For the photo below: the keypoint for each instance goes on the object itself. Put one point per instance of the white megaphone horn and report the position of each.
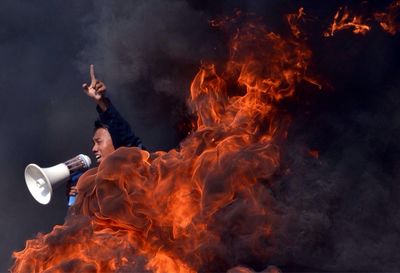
(40, 181)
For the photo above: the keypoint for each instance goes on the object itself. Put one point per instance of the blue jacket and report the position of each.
(119, 129)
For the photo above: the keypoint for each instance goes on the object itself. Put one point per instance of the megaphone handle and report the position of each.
(71, 200)
(73, 181)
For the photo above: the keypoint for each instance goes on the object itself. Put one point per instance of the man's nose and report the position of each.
(94, 149)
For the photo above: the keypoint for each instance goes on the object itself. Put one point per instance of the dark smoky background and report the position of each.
(339, 212)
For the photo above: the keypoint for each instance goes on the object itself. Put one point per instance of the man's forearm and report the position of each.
(103, 104)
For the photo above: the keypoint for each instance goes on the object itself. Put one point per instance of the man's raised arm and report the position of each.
(119, 129)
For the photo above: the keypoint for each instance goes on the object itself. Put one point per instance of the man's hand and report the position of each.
(96, 90)
(73, 191)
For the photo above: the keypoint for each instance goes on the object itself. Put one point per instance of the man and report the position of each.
(111, 129)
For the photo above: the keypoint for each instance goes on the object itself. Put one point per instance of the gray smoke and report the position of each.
(341, 212)
(148, 52)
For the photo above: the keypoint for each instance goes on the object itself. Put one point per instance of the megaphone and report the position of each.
(41, 181)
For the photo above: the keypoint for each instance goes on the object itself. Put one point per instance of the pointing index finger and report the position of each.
(92, 76)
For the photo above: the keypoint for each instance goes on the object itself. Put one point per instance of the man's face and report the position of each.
(102, 144)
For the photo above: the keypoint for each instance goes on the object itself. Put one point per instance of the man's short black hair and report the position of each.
(98, 124)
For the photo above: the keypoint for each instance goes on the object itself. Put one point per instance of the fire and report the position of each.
(294, 19)
(172, 211)
(389, 21)
(198, 207)
(342, 20)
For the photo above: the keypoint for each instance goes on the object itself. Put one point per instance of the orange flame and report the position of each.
(294, 19)
(187, 210)
(389, 20)
(343, 20)
(172, 211)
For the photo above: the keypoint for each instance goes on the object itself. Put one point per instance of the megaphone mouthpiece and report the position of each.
(78, 163)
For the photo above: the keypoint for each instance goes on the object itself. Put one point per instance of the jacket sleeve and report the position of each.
(120, 130)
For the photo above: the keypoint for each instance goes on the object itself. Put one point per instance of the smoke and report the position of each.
(147, 39)
(148, 51)
(39, 83)
(341, 210)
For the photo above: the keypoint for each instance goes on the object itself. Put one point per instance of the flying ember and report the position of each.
(343, 20)
(389, 20)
